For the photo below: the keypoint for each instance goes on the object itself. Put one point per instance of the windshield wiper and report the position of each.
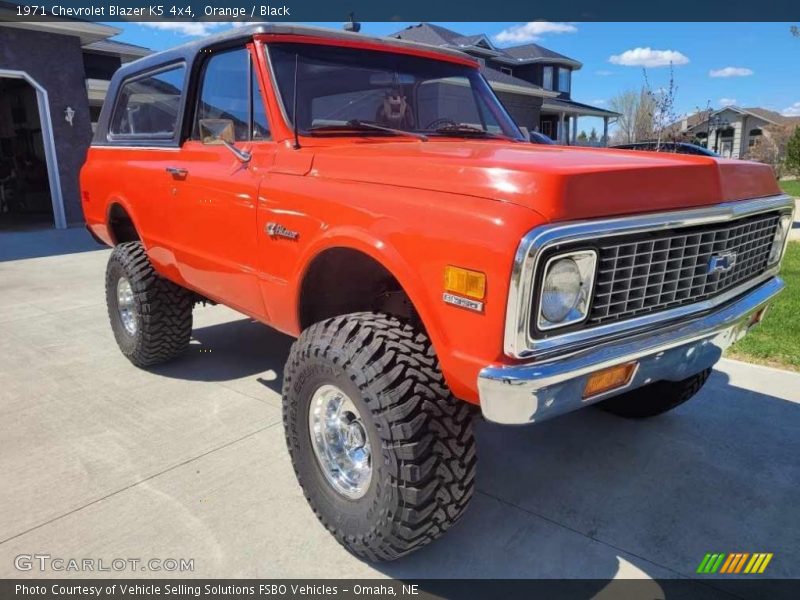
(356, 125)
(470, 130)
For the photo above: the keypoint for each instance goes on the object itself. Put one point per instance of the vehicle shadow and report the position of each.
(232, 350)
(594, 496)
(19, 245)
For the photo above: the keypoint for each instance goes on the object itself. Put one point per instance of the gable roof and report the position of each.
(537, 53)
(428, 33)
(699, 118)
(503, 82)
(771, 115)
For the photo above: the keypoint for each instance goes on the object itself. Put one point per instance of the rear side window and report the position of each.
(149, 107)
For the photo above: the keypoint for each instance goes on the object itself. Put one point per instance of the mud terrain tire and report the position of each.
(422, 449)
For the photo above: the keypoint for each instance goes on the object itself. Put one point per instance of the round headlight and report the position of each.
(561, 291)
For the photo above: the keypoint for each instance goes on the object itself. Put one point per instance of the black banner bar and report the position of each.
(726, 588)
(407, 10)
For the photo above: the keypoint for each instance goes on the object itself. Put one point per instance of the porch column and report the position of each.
(574, 128)
(605, 131)
(561, 133)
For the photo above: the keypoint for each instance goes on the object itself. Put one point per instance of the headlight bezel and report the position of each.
(789, 218)
(585, 259)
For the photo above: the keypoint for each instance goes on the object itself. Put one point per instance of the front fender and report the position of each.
(413, 236)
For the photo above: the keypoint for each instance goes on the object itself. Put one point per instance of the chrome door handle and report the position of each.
(177, 172)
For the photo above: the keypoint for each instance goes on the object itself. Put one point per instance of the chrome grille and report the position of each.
(662, 270)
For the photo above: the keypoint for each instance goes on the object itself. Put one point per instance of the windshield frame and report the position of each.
(508, 129)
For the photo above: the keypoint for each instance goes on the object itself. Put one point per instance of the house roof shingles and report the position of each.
(537, 52)
(428, 33)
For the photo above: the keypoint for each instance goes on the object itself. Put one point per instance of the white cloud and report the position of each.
(530, 32)
(598, 102)
(647, 57)
(603, 73)
(730, 72)
(186, 28)
(727, 101)
(792, 111)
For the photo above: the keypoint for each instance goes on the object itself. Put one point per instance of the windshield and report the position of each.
(342, 91)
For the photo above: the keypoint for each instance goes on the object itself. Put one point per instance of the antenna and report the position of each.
(294, 103)
(352, 25)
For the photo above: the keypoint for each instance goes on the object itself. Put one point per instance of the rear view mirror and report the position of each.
(217, 131)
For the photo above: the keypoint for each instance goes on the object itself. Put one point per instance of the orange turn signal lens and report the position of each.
(464, 282)
(608, 379)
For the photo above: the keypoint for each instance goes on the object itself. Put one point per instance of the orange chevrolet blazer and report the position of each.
(374, 199)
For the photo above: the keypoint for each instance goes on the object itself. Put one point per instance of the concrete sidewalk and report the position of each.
(99, 459)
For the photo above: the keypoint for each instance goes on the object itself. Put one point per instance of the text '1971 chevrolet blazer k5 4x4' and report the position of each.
(374, 199)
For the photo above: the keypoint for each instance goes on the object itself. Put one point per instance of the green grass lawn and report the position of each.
(776, 341)
(791, 187)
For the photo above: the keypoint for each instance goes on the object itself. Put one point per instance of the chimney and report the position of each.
(684, 124)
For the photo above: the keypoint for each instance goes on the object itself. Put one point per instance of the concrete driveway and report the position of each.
(99, 459)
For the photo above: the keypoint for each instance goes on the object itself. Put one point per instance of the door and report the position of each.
(215, 191)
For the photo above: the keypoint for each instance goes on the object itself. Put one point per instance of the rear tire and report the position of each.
(151, 317)
(419, 437)
(656, 398)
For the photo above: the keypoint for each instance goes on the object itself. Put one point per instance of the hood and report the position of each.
(560, 183)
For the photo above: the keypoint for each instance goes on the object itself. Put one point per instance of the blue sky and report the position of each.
(756, 64)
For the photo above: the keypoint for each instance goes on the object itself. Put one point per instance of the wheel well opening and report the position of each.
(341, 281)
(121, 226)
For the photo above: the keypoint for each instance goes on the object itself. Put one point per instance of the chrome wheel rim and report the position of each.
(126, 305)
(340, 441)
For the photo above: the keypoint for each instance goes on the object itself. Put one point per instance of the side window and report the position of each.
(230, 90)
(224, 91)
(149, 107)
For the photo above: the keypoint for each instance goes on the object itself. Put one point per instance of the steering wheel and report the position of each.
(436, 123)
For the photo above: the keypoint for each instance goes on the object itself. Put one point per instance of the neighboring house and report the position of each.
(534, 83)
(730, 131)
(53, 79)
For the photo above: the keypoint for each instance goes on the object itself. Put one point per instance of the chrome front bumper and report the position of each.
(533, 392)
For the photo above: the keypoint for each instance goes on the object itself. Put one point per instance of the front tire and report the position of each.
(151, 317)
(367, 385)
(656, 398)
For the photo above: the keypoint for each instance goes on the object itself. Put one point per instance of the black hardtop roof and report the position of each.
(188, 51)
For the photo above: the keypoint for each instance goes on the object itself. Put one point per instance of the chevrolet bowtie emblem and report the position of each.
(278, 230)
(721, 263)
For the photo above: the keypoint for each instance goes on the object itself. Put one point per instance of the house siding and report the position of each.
(56, 63)
(525, 110)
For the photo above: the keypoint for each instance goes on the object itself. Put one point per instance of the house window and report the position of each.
(547, 78)
(754, 135)
(564, 77)
(546, 128)
(507, 70)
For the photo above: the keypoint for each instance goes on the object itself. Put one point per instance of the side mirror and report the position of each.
(220, 132)
(216, 132)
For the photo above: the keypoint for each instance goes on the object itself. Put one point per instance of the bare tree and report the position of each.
(644, 123)
(770, 147)
(626, 104)
(661, 105)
